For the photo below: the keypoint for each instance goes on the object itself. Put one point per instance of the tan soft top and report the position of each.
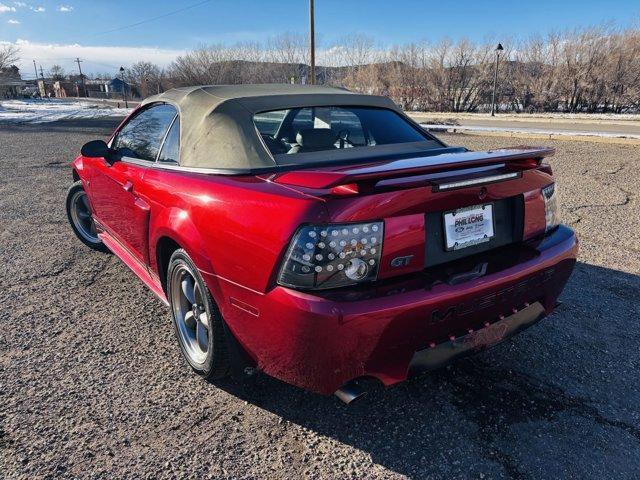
(216, 122)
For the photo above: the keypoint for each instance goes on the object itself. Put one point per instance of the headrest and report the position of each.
(316, 138)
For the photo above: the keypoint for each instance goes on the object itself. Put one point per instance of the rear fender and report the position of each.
(176, 224)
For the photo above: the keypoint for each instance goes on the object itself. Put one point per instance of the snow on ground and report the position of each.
(41, 111)
(534, 131)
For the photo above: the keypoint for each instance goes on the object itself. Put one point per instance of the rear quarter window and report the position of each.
(170, 152)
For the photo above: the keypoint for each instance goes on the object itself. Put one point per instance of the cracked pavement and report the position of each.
(92, 384)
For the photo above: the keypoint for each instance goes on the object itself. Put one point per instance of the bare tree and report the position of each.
(56, 72)
(290, 51)
(591, 70)
(354, 50)
(533, 75)
(9, 54)
(207, 65)
(146, 76)
(354, 55)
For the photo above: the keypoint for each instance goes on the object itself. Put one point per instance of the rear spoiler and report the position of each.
(329, 177)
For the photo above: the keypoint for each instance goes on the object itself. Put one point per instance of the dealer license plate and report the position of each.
(468, 226)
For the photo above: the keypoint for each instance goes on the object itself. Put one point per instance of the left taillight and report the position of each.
(333, 255)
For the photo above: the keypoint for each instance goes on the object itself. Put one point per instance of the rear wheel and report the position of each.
(79, 215)
(197, 319)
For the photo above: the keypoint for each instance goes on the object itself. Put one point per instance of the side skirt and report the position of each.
(134, 264)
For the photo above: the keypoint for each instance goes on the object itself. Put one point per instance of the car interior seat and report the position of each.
(313, 140)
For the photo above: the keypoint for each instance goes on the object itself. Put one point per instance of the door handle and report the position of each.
(127, 186)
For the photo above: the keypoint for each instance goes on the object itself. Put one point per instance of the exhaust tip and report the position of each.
(350, 392)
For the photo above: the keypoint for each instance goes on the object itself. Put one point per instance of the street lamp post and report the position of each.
(499, 49)
(124, 88)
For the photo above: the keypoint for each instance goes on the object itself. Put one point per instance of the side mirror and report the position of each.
(99, 149)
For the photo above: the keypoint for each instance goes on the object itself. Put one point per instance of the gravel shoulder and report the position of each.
(92, 384)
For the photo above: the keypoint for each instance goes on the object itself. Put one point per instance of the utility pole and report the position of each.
(499, 48)
(124, 88)
(84, 88)
(44, 85)
(37, 86)
(312, 42)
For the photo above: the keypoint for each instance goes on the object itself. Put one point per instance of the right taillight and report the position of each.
(332, 255)
(551, 207)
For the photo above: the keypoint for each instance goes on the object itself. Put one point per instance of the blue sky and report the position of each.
(49, 29)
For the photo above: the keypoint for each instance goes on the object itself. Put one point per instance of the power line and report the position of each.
(93, 62)
(152, 19)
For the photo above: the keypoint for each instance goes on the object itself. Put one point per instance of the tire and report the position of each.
(188, 319)
(78, 207)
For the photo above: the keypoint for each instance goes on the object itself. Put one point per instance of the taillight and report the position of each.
(551, 207)
(333, 255)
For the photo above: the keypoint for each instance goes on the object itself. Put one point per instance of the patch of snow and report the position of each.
(536, 131)
(42, 111)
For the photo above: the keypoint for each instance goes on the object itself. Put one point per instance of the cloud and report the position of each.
(6, 8)
(65, 8)
(38, 9)
(20, 4)
(13, 22)
(96, 59)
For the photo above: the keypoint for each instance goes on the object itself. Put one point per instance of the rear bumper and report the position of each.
(438, 355)
(321, 341)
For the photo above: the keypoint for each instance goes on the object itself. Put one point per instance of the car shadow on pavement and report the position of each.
(510, 411)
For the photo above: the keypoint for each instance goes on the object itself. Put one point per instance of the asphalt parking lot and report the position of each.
(92, 384)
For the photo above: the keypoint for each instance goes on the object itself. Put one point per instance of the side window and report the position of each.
(142, 135)
(170, 152)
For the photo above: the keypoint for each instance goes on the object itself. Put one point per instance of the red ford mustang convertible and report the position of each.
(321, 236)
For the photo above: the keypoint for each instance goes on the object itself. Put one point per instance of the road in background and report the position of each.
(92, 384)
(551, 125)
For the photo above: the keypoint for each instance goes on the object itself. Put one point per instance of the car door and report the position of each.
(117, 201)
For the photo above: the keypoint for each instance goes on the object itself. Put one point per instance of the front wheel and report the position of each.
(197, 319)
(79, 215)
